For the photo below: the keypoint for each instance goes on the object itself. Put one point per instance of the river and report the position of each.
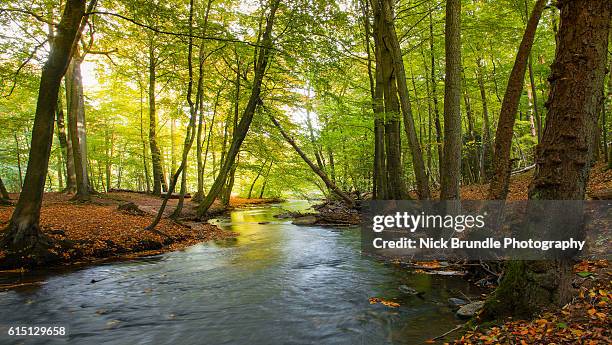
(274, 283)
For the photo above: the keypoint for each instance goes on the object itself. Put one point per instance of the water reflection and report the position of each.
(274, 283)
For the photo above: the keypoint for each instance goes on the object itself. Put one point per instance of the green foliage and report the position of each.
(318, 83)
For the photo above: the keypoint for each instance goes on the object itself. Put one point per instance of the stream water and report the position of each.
(275, 283)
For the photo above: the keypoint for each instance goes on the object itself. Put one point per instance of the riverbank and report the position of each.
(586, 320)
(89, 232)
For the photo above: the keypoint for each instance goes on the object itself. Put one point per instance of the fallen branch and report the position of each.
(331, 185)
(525, 169)
(449, 332)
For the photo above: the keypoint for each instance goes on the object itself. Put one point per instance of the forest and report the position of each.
(137, 129)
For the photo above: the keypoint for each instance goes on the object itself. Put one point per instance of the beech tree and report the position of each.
(263, 55)
(564, 154)
(23, 234)
(451, 173)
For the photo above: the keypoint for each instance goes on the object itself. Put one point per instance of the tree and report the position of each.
(498, 189)
(386, 80)
(451, 173)
(263, 55)
(402, 87)
(329, 183)
(563, 156)
(23, 235)
(66, 149)
(76, 125)
(156, 156)
(4, 195)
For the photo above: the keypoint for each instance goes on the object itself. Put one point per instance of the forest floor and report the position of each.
(600, 180)
(99, 230)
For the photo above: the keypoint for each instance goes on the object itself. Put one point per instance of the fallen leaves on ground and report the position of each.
(99, 230)
(600, 178)
(586, 320)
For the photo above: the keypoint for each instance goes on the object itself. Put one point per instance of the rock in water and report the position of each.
(469, 310)
(408, 290)
(306, 220)
(456, 302)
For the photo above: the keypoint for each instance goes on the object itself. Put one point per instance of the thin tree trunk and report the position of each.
(452, 104)
(66, 148)
(23, 236)
(201, 162)
(434, 94)
(4, 195)
(18, 152)
(330, 185)
(486, 151)
(263, 187)
(608, 147)
(156, 159)
(263, 56)
(142, 140)
(108, 144)
(189, 137)
(376, 93)
(498, 189)
(563, 156)
(256, 178)
(534, 93)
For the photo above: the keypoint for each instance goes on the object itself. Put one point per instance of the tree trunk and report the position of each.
(145, 164)
(256, 178)
(108, 144)
(452, 104)
(263, 186)
(330, 185)
(609, 111)
(402, 88)
(263, 55)
(376, 93)
(4, 195)
(66, 148)
(76, 126)
(201, 162)
(23, 236)
(434, 94)
(18, 153)
(396, 188)
(156, 159)
(486, 151)
(189, 137)
(498, 189)
(534, 92)
(577, 80)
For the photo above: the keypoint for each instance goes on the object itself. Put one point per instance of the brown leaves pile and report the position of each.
(600, 178)
(99, 230)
